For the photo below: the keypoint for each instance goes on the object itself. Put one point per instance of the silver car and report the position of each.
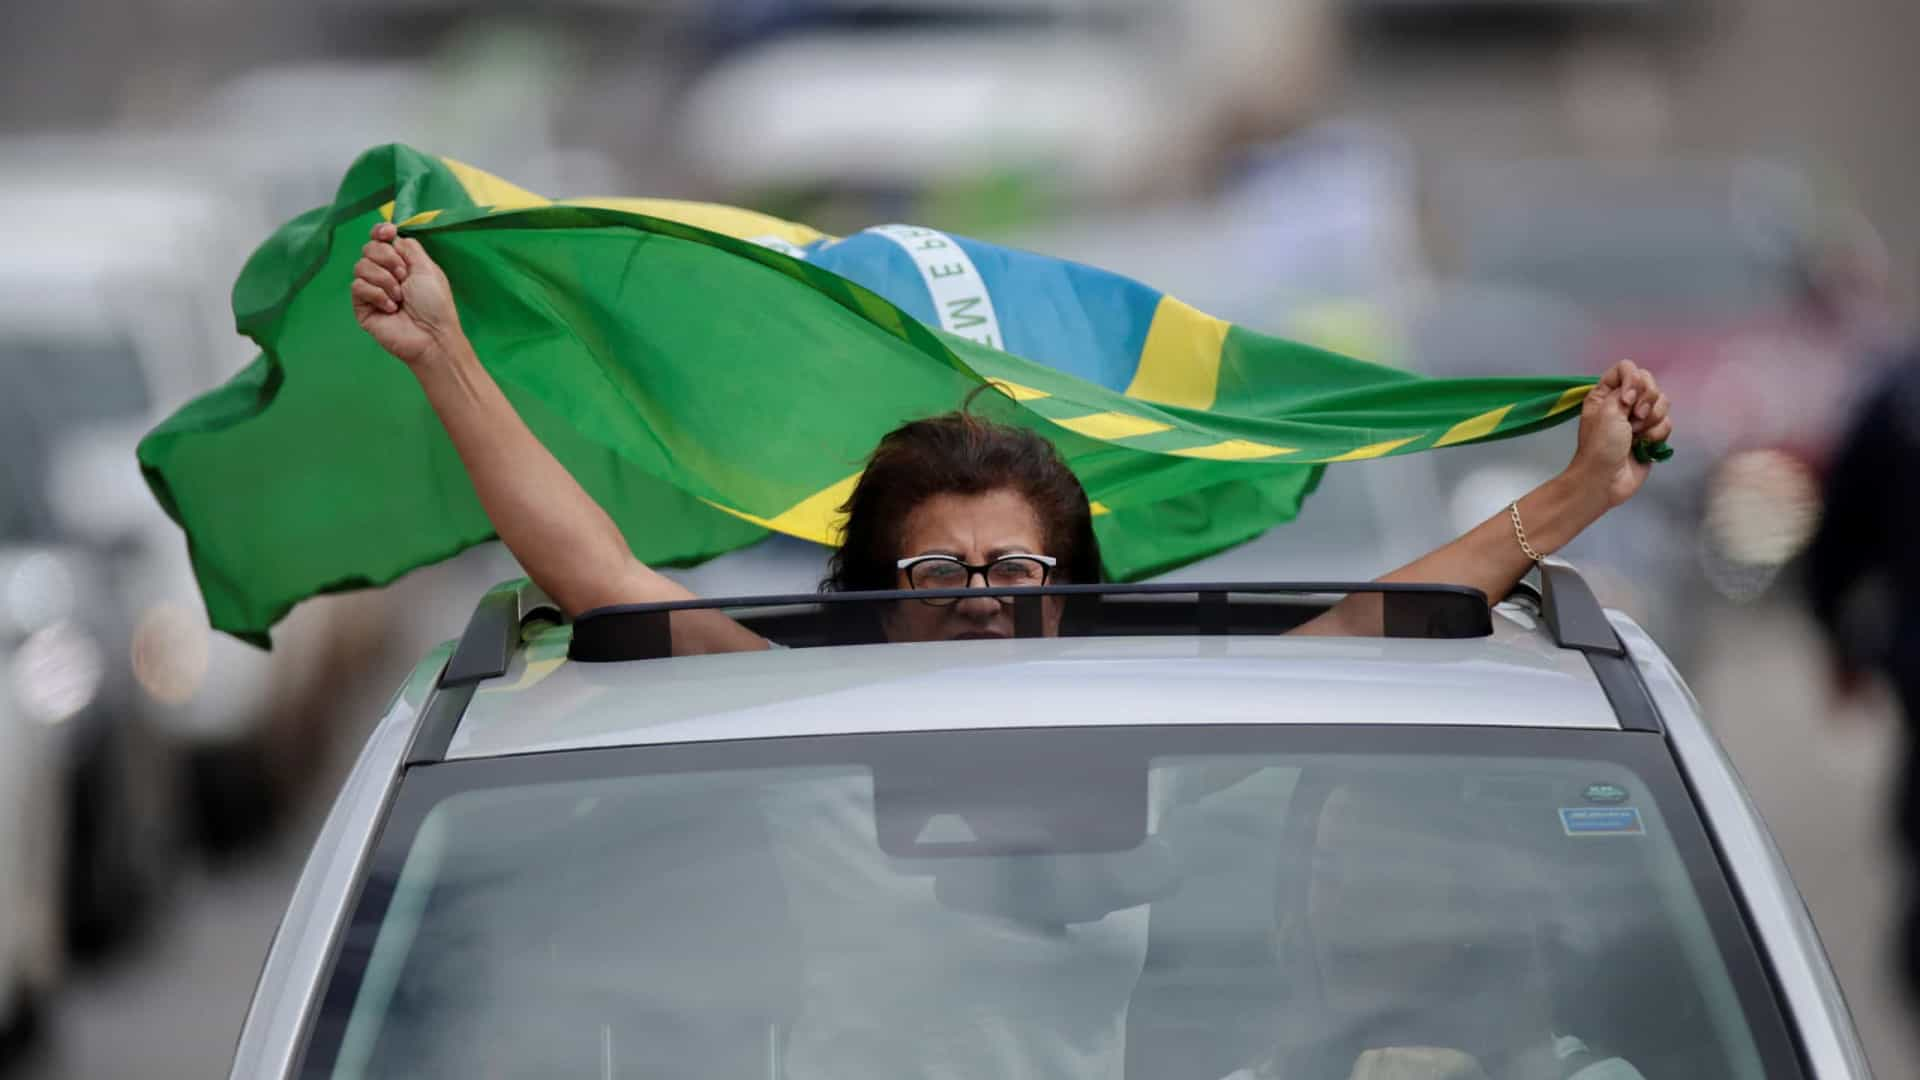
(1169, 843)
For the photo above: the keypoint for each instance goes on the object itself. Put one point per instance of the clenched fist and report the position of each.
(1627, 406)
(401, 297)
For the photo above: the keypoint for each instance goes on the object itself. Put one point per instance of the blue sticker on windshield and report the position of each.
(1601, 821)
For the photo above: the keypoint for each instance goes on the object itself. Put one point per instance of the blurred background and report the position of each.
(1717, 189)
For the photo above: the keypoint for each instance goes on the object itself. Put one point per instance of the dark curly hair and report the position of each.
(959, 453)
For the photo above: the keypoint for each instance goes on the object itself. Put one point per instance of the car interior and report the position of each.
(1410, 911)
(1298, 915)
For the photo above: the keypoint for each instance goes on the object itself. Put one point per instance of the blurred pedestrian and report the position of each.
(1864, 575)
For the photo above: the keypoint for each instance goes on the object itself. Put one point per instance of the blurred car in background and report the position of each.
(1713, 275)
(288, 132)
(67, 374)
(889, 99)
(62, 629)
(122, 251)
(834, 101)
(51, 678)
(112, 305)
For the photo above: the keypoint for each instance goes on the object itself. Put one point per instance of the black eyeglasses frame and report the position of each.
(943, 599)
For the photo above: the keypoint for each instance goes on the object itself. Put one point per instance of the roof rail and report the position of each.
(1573, 616)
(1577, 621)
(493, 632)
(483, 652)
(640, 631)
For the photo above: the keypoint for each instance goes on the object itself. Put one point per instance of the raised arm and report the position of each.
(563, 539)
(1626, 405)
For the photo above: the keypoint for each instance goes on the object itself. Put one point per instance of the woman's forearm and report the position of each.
(1623, 407)
(562, 538)
(1488, 557)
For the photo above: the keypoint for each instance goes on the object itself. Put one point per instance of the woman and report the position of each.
(943, 502)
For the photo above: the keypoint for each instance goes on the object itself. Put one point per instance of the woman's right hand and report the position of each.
(401, 297)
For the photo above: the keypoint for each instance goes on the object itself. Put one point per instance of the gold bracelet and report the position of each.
(1520, 533)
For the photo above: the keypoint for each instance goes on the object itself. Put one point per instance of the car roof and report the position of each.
(1516, 677)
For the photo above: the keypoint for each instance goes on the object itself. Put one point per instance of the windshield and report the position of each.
(50, 389)
(1680, 260)
(1141, 902)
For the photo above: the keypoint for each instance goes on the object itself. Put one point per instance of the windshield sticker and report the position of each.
(1601, 821)
(1604, 793)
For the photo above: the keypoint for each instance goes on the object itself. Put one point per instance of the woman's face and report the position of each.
(975, 529)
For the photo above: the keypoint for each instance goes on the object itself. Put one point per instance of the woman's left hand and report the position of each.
(1626, 407)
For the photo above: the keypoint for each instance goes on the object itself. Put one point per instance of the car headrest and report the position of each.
(1410, 865)
(1416, 1063)
(1421, 921)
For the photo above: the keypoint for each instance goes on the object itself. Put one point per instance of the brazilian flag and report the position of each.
(710, 374)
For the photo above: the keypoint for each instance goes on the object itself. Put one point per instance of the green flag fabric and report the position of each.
(709, 374)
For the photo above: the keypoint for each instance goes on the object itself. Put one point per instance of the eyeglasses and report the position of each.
(948, 572)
